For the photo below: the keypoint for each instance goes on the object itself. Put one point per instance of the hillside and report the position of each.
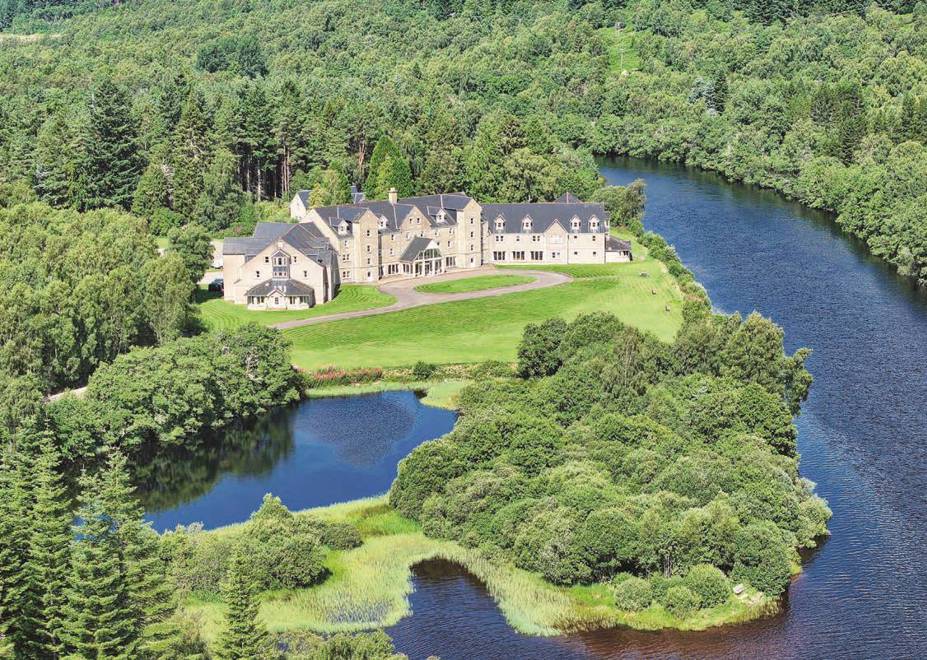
(508, 100)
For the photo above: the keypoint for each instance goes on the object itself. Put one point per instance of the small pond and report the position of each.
(315, 453)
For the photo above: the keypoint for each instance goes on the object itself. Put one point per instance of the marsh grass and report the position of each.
(439, 394)
(369, 586)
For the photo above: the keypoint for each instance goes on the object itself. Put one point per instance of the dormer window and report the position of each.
(593, 224)
(500, 224)
(441, 216)
(343, 228)
(526, 224)
(574, 224)
(382, 222)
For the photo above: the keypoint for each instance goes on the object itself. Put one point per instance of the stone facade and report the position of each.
(372, 240)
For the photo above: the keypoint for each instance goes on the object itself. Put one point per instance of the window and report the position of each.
(499, 238)
(594, 253)
(391, 252)
(368, 233)
(574, 224)
(276, 300)
(293, 260)
(257, 274)
(418, 221)
(526, 224)
(347, 244)
(498, 256)
(517, 238)
(368, 261)
(471, 247)
(500, 224)
(368, 248)
(266, 260)
(575, 253)
(593, 225)
(305, 274)
(537, 255)
(343, 228)
(554, 255)
(535, 238)
(471, 234)
(518, 256)
(345, 257)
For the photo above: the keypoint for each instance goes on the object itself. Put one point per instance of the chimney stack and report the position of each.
(393, 196)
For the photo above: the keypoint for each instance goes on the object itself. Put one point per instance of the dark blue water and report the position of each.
(862, 438)
(318, 452)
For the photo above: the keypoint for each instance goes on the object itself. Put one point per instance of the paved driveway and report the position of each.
(407, 297)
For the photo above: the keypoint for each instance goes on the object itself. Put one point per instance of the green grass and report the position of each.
(480, 283)
(490, 328)
(219, 314)
(368, 587)
(439, 394)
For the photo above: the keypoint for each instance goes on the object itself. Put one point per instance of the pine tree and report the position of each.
(100, 620)
(220, 200)
(57, 159)
(18, 607)
(113, 163)
(384, 150)
(50, 547)
(394, 173)
(244, 636)
(150, 596)
(191, 154)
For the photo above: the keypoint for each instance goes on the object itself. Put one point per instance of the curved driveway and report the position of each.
(407, 297)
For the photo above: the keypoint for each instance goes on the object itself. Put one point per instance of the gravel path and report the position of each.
(407, 297)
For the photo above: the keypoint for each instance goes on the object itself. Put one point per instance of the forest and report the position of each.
(197, 112)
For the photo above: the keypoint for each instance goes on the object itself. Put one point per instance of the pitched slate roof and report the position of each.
(304, 237)
(284, 287)
(545, 214)
(613, 244)
(395, 214)
(415, 248)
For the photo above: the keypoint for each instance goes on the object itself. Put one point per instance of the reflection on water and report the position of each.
(862, 438)
(315, 453)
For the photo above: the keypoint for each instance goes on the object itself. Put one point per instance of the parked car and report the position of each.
(217, 284)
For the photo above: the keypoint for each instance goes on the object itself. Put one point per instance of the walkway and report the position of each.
(407, 297)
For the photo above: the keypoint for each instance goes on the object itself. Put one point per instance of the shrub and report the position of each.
(661, 585)
(709, 584)
(423, 370)
(681, 602)
(762, 558)
(492, 369)
(538, 350)
(340, 536)
(633, 594)
(297, 561)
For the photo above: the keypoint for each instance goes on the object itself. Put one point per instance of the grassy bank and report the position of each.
(480, 283)
(218, 314)
(439, 394)
(490, 328)
(368, 587)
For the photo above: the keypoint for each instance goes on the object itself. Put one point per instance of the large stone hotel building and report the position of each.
(294, 266)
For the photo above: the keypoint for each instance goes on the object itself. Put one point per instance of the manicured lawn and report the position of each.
(218, 314)
(480, 283)
(490, 328)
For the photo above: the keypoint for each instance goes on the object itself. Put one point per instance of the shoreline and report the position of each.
(369, 586)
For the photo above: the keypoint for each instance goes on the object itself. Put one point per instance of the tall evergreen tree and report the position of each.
(244, 637)
(220, 199)
(383, 150)
(49, 550)
(113, 163)
(191, 154)
(100, 620)
(18, 607)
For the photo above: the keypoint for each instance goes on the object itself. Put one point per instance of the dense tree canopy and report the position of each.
(620, 454)
(196, 108)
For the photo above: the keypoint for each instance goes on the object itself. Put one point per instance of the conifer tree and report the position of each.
(113, 164)
(385, 149)
(100, 621)
(50, 546)
(220, 199)
(244, 637)
(394, 173)
(191, 154)
(18, 615)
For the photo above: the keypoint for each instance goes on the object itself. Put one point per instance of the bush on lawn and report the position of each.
(709, 584)
(633, 594)
(681, 602)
